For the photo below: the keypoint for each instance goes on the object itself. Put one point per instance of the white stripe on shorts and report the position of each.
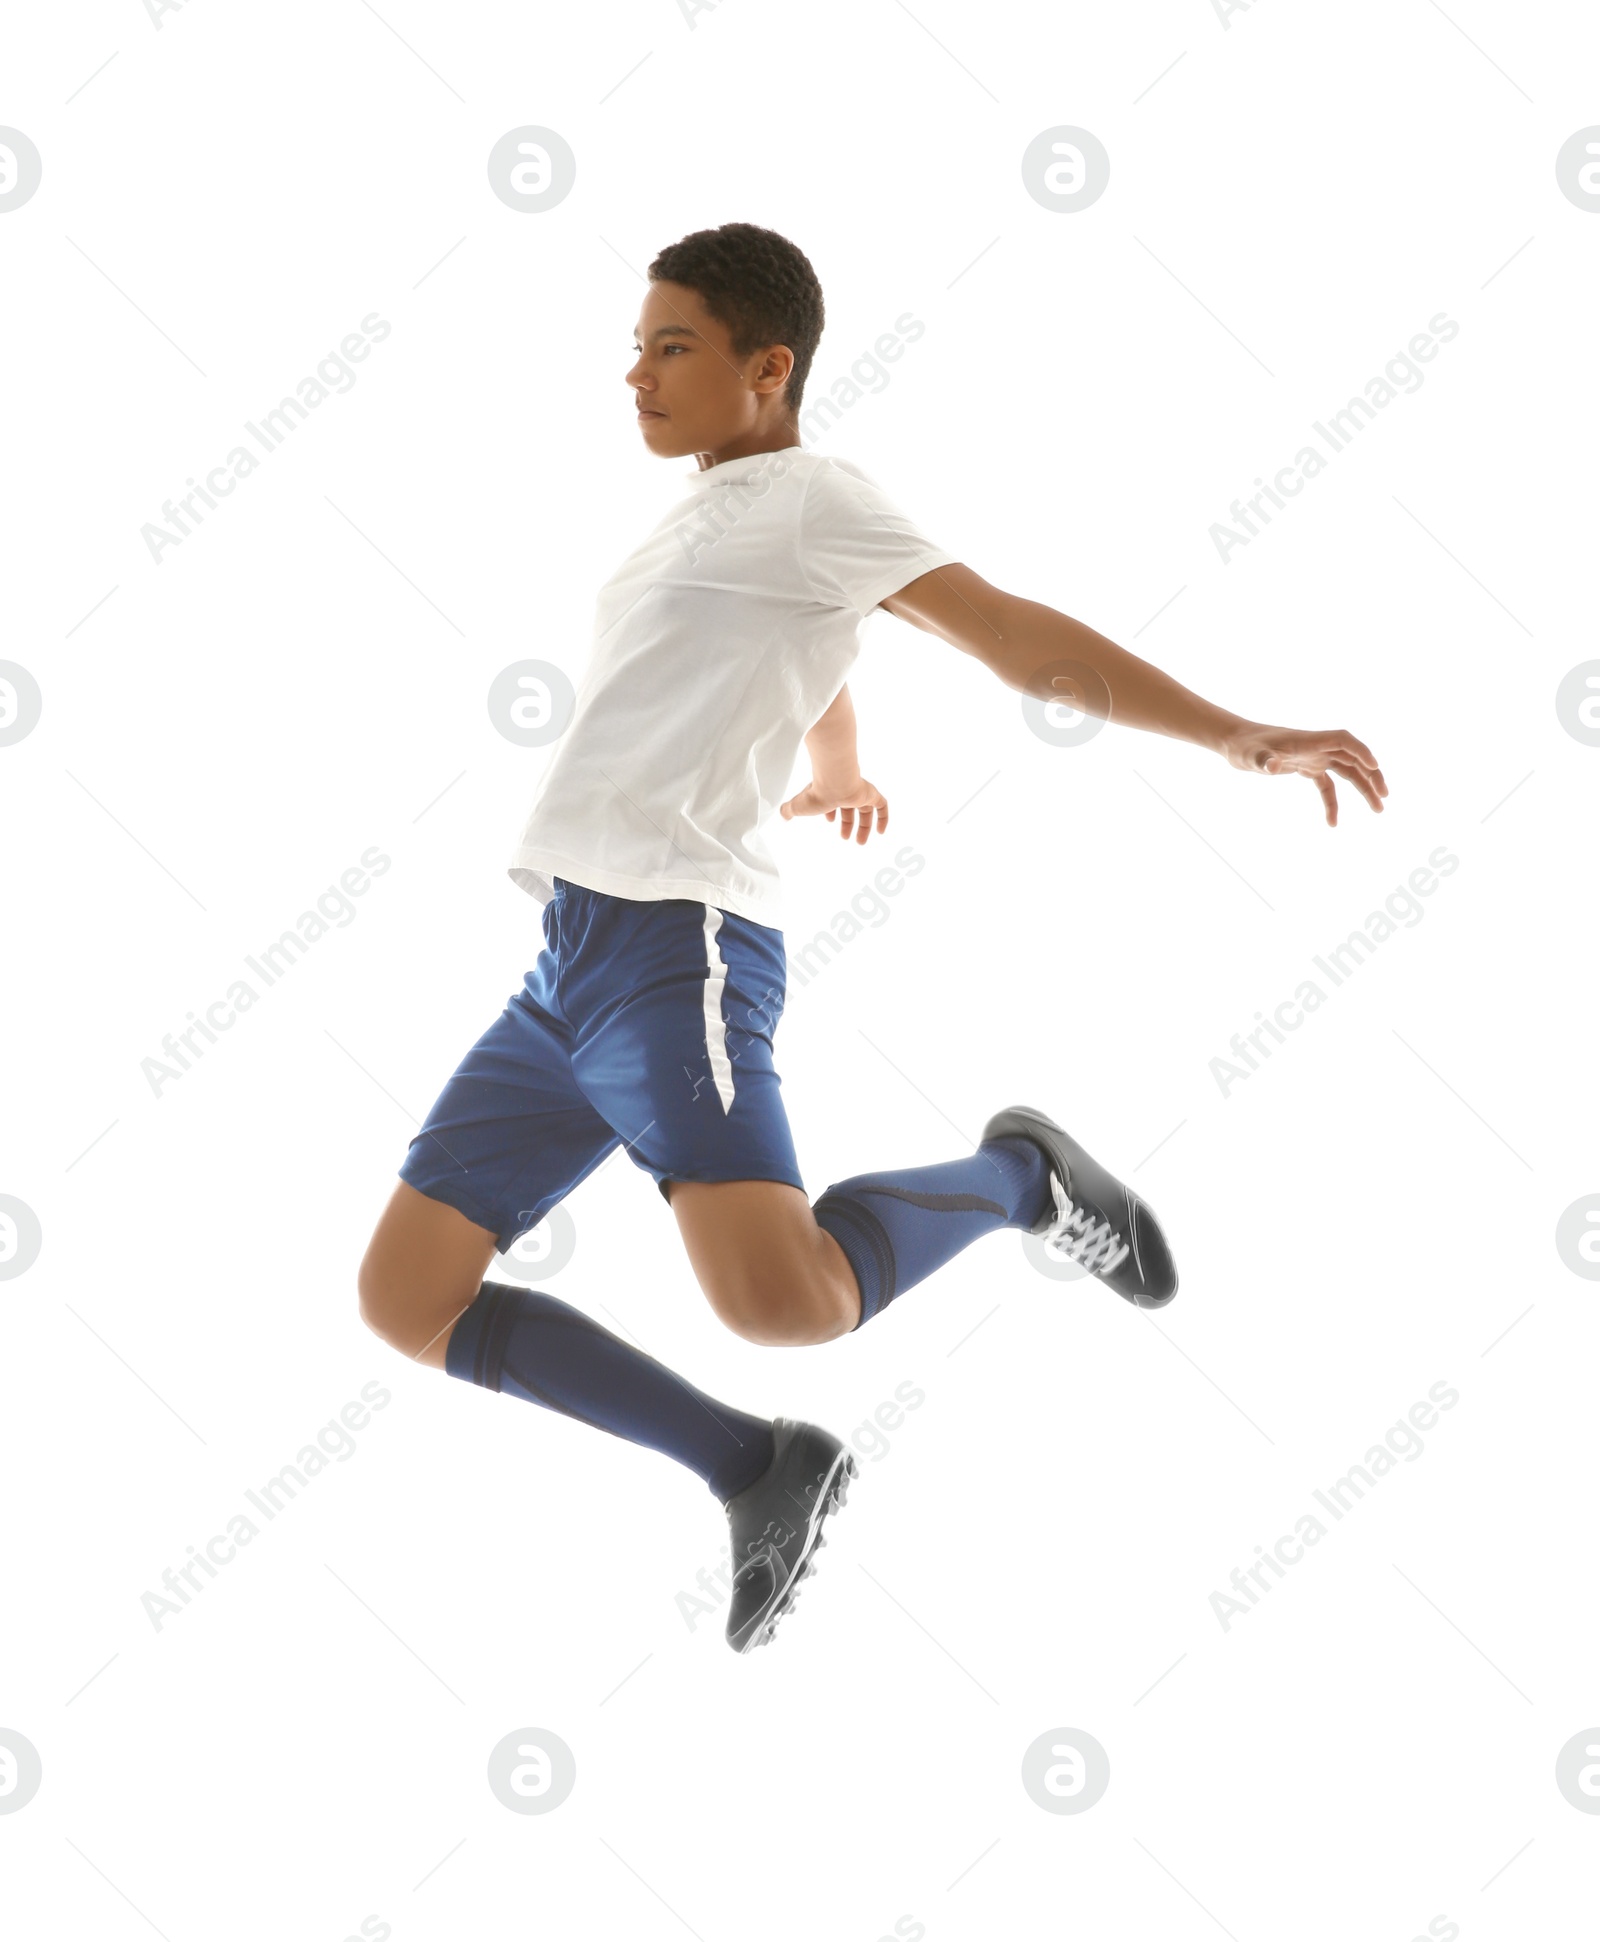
(716, 1031)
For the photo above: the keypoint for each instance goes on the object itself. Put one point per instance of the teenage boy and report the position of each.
(647, 1021)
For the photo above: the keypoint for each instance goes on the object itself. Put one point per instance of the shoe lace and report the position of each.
(1077, 1234)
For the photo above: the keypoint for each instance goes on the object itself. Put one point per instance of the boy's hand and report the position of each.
(821, 798)
(1320, 753)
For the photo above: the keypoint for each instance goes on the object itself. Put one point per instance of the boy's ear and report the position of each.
(775, 369)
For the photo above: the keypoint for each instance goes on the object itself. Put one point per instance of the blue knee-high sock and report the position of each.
(525, 1343)
(896, 1228)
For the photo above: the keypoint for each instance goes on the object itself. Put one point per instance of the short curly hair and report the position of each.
(757, 284)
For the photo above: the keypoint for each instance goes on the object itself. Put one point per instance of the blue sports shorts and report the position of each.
(642, 1024)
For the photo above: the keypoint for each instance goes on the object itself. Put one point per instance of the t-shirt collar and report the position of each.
(736, 471)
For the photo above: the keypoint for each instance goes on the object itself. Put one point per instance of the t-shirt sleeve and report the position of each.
(856, 546)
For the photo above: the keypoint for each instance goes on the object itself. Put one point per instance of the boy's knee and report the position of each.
(773, 1315)
(378, 1303)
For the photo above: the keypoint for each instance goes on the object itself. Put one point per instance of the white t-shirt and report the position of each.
(717, 644)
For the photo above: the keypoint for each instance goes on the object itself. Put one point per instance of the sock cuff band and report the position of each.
(477, 1347)
(866, 1246)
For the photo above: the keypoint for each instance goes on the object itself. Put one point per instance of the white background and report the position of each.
(1293, 195)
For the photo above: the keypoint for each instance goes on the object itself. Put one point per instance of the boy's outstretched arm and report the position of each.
(837, 785)
(1020, 641)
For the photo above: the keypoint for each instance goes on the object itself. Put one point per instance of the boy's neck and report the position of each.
(779, 438)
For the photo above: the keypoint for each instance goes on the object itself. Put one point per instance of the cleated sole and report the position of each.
(829, 1499)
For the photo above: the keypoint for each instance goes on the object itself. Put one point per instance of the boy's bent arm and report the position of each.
(1026, 644)
(837, 786)
(831, 741)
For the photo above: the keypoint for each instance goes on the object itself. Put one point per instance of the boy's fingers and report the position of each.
(1338, 744)
(1358, 779)
(1358, 749)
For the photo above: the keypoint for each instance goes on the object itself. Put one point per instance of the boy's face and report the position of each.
(693, 394)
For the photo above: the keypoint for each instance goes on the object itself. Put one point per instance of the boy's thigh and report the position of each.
(769, 1272)
(423, 1266)
(512, 1133)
